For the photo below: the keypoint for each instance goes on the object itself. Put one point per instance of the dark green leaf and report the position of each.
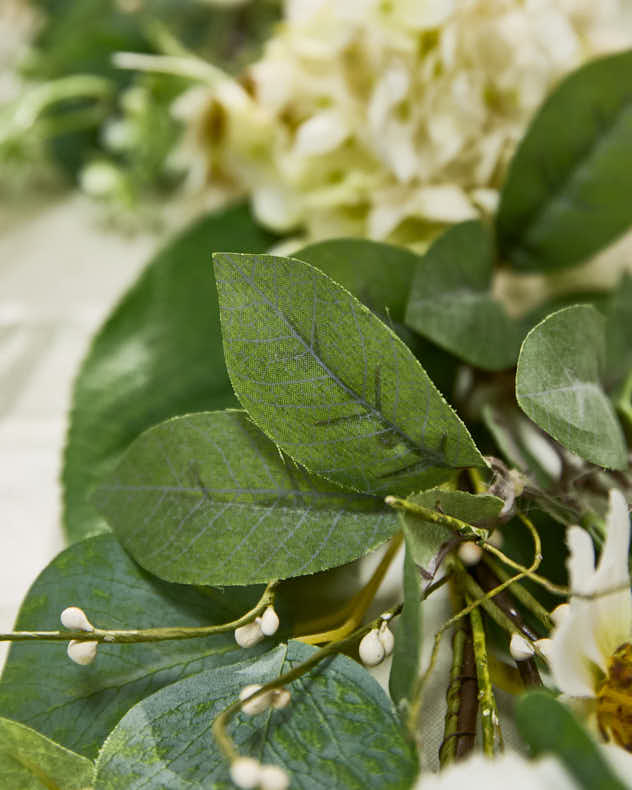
(208, 499)
(333, 386)
(29, 761)
(158, 355)
(407, 630)
(78, 705)
(558, 385)
(451, 301)
(567, 193)
(550, 728)
(339, 731)
(427, 540)
(619, 333)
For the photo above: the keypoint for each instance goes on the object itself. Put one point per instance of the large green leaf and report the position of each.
(451, 301)
(29, 761)
(379, 275)
(407, 653)
(158, 355)
(339, 731)
(208, 499)
(331, 384)
(78, 705)
(550, 728)
(426, 540)
(567, 193)
(619, 333)
(558, 385)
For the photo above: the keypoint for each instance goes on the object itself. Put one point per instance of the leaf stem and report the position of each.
(492, 736)
(428, 514)
(146, 634)
(521, 594)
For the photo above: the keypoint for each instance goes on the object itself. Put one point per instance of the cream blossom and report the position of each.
(591, 650)
(387, 120)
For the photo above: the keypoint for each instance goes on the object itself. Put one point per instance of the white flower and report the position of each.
(386, 119)
(591, 650)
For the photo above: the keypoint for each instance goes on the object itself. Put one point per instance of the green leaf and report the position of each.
(619, 333)
(558, 385)
(567, 193)
(158, 355)
(550, 728)
(208, 499)
(338, 731)
(78, 705)
(379, 275)
(426, 540)
(333, 386)
(29, 761)
(407, 651)
(451, 301)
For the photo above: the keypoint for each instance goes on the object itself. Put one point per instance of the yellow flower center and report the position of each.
(614, 699)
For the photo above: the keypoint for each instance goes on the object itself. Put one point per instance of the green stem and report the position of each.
(492, 736)
(146, 634)
(433, 516)
(521, 594)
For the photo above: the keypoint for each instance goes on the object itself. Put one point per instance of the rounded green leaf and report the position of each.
(330, 383)
(451, 301)
(159, 354)
(78, 705)
(209, 499)
(339, 731)
(567, 193)
(558, 385)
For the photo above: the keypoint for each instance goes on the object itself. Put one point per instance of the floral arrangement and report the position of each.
(250, 433)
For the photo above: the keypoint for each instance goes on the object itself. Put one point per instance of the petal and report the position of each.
(572, 670)
(581, 563)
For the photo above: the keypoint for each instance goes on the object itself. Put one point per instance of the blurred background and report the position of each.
(122, 120)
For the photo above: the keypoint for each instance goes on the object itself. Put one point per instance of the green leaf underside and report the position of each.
(451, 302)
(558, 385)
(426, 540)
(407, 631)
(567, 192)
(339, 731)
(158, 355)
(379, 275)
(333, 386)
(208, 498)
(549, 727)
(29, 761)
(77, 706)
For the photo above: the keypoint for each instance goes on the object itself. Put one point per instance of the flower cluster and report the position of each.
(387, 120)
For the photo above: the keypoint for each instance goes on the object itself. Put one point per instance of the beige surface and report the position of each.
(59, 274)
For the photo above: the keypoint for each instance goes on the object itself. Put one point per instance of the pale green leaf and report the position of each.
(427, 541)
(159, 354)
(30, 761)
(78, 705)
(332, 385)
(407, 630)
(451, 301)
(339, 731)
(558, 385)
(549, 727)
(208, 499)
(567, 193)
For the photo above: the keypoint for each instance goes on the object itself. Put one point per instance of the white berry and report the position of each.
(269, 621)
(280, 698)
(519, 648)
(371, 649)
(470, 553)
(273, 777)
(385, 635)
(543, 647)
(245, 772)
(248, 635)
(75, 619)
(255, 706)
(82, 652)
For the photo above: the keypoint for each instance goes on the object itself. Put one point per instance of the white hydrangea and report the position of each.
(388, 119)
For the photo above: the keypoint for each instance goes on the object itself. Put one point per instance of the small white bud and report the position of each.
(519, 648)
(273, 777)
(255, 706)
(280, 698)
(559, 613)
(82, 652)
(543, 647)
(269, 621)
(470, 553)
(75, 619)
(245, 772)
(248, 635)
(371, 649)
(385, 635)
